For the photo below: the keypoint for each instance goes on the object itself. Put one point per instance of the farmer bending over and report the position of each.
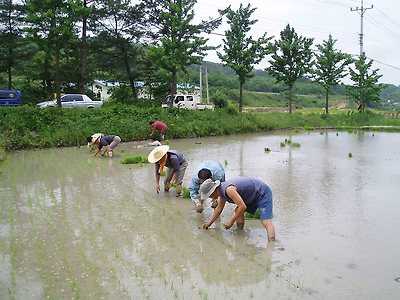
(207, 169)
(176, 163)
(248, 194)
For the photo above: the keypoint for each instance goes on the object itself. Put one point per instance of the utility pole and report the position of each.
(361, 10)
(201, 85)
(208, 95)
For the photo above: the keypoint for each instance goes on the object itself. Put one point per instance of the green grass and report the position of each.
(29, 127)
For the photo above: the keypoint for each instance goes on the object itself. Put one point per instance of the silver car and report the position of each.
(72, 100)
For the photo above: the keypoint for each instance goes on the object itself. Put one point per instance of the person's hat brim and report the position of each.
(157, 153)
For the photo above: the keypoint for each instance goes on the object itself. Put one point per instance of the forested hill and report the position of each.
(220, 76)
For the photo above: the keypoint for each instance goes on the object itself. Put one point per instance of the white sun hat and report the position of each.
(208, 187)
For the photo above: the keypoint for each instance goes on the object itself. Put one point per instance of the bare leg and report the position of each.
(240, 221)
(270, 229)
(178, 190)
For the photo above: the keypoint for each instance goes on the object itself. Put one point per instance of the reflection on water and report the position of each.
(77, 226)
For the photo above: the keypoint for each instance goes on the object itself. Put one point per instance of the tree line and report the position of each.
(55, 46)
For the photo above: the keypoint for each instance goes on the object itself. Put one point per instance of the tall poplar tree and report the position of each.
(11, 21)
(366, 88)
(242, 52)
(176, 40)
(291, 59)
(119, 28)
(52, 23)
(330, 66)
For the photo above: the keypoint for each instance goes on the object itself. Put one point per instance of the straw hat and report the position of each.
(93, 138)
(208, 187)
(157, 153)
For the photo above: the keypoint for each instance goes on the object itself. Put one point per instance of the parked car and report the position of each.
(10, 98)
(72, 100)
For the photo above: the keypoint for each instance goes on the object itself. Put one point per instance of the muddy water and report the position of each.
(74, 226)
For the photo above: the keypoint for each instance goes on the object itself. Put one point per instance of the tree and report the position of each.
(11, 21)
(291, 59)
(82, 79)
(119, 28)
(330, 66)
(366, 90)
(176, 41)
(52, 23)
(242, 52)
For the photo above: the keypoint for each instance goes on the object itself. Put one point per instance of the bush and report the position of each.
(219, 99)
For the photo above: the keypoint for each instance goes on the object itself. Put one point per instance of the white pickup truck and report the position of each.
(186, 101)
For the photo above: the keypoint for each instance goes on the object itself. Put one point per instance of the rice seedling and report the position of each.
(203, 294)
(350, 155)
(256, 215)
(134, 160)
(290, 143)
(266, 149)
(185, 192)
(225, 162)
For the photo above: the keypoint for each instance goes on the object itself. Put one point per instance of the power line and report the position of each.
(388, 17)
(383, 28)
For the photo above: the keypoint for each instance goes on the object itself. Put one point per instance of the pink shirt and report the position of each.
(158, 125)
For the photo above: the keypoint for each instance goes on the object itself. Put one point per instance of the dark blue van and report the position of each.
(10, 97)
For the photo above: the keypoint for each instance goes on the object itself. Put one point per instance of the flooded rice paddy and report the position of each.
(75, 226)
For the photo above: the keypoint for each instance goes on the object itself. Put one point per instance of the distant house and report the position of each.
(187, 88)
(102, 88)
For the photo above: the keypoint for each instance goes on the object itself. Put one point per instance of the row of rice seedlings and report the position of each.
(135, 159)
(289, 143)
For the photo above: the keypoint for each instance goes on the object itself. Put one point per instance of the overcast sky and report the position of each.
(319, 18)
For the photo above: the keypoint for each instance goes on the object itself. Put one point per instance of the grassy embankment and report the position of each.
(30, 127)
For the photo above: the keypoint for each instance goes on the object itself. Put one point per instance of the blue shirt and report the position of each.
(217, 173)
(106, 141)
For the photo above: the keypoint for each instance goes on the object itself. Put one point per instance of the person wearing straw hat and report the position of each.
(247, 194)
(207, 169)
(108, 141)
(176, 163)
(92, 138)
